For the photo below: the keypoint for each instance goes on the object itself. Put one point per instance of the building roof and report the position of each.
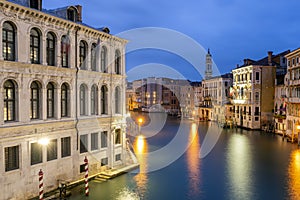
(264, 61)
(61, 13)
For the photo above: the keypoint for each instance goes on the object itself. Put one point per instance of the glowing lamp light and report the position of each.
(140, 120)
(43, 141)
(298, 127)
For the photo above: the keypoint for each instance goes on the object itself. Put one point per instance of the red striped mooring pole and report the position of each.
(86, 178)
(41, 185)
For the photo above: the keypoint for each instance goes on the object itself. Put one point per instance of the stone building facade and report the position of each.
(62, 88)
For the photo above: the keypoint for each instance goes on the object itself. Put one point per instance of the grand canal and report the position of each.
(242, 164)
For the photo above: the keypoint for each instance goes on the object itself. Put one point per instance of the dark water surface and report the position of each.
(242, 165)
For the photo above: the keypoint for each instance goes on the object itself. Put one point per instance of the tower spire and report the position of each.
(208, 65)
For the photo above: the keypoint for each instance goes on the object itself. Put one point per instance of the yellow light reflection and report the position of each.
(141, 150)
(193, 158)
(239, 163)
(294, 175)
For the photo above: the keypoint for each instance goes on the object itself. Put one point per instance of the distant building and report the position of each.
(280, 103)
(61, 82)
(176, 96)
(253, 91)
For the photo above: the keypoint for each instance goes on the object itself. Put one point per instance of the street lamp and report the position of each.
(43, 141)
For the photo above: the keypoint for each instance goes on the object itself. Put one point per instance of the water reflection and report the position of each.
(193, 161)
(239, 163)
(294, 175)
(141, 179)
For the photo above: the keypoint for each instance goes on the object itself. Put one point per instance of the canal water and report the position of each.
(186, 160)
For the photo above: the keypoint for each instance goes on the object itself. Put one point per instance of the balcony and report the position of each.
(294, 100)
(295, 82)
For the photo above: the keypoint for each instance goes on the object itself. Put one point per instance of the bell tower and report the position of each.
(208, 65)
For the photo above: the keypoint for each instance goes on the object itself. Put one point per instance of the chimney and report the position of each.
(237, 65)
(270, 57)
(79, 8)
(245, 62)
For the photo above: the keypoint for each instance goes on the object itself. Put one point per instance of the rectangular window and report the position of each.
(104, 161)
(65, 147)
(118, 157)
(36, 153)
(104, 139)
(256, 111)
(11, 158)
(118, 136)
(52, 150)
(94, 141)
(257, 76)
(256, 118)
(83, 143)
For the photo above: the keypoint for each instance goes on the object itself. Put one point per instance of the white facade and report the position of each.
(79, 107)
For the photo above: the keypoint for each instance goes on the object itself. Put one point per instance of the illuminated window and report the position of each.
(35, 100)
(8, 41)
(35, 46)
(9, 101)
(50, 100)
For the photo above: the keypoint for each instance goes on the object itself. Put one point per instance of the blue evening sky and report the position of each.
(232, 29)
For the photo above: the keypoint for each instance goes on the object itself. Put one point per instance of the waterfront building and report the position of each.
(253, 91)
(62, 83)
(216, 104)
(280, 104)
(293, 94)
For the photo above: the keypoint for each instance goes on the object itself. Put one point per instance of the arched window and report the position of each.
(35, 100)
(94, 100)
(50, 100)
(50, 48)
(72, 14)
(104, 59)
(93, 57)
(104, 103)
(35, 46)
(9, 101)
(82, 98)
(118, 62)
(82, 54)
(117, 100)
(9, 41)
(64, 100)
(65, 51)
